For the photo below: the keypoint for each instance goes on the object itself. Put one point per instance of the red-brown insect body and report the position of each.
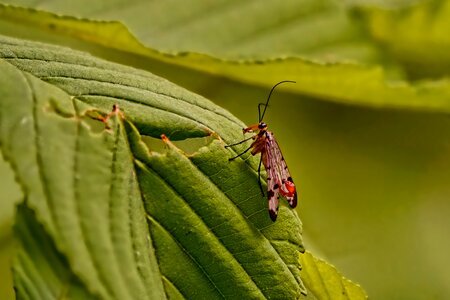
(279, 180)
(259, 139)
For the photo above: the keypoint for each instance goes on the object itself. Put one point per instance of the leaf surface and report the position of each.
(416, 35)
(70, 178)
(335, 81)
(325, 282)
(314, 28)
(130, 223)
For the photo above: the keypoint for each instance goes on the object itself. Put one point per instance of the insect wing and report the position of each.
(278, 172)
(272, 186)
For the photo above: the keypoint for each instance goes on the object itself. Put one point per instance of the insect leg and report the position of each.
(238, 143)
(246, 150)
(259, 176)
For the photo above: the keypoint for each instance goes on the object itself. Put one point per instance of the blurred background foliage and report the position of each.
(374, 182)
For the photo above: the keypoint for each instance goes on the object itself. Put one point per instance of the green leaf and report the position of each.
(321, 29)
(194, 199)
(126, 222)
(10, 195)
(325, 282)
(416, 35)
(341, 82)
(40, 271)
(71, 178)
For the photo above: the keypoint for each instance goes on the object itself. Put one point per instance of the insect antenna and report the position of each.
(268, 98)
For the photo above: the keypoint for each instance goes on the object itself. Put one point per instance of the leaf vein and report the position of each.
(173, 285)
(80, 97)
(238, 211)
(152, 219)
(78, 64)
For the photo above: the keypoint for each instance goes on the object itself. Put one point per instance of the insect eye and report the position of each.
(262, 125)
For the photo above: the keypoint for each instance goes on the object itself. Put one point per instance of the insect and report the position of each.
(279, 180)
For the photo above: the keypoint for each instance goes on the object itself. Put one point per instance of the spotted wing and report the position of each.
(272, 188)
(287, 187)
(279, 180)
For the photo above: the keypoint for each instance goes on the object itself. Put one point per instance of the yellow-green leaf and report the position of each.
(341, 82)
